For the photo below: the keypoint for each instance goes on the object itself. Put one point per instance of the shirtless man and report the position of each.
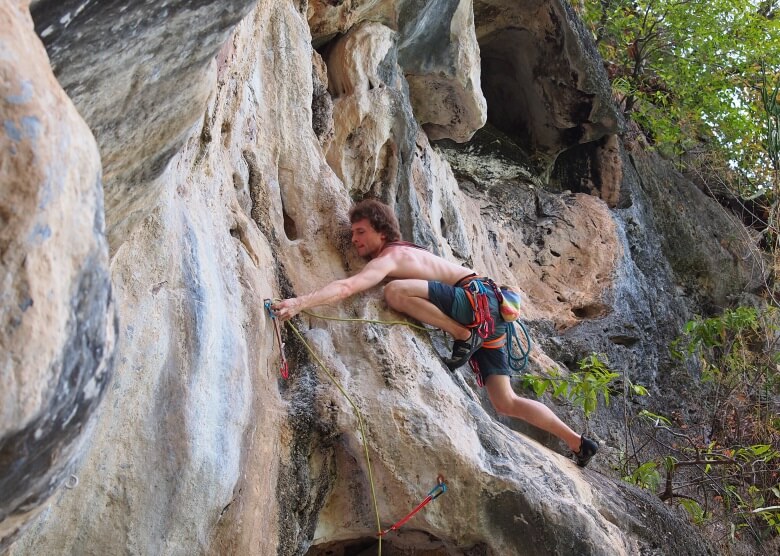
(429, 288)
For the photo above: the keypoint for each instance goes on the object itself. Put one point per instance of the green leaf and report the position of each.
(639, 390)
(654, 418)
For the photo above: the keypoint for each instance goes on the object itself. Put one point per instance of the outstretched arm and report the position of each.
(373, 273)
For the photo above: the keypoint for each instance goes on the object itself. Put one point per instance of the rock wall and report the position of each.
(57, 318)
(231, 156)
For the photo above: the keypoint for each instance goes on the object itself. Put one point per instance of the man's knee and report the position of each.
(397, 292)
(394, 294)
(501, 395)
(503, 405)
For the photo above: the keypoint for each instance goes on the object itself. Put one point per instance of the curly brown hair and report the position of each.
(379, 215)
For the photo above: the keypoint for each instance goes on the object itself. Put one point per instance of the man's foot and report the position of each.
(462, 350)
(588, 449)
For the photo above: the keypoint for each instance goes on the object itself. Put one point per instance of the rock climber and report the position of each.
(433, 290)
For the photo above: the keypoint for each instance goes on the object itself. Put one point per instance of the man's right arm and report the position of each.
(373, 273)
(335, 291)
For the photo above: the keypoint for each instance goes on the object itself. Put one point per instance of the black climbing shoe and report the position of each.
(462, 350)
(588, 449)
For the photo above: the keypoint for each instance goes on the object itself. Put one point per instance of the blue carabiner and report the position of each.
(267, 304)
(441, 487)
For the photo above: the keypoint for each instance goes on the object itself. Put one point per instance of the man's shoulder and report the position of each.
(386, 259)
(402, 252)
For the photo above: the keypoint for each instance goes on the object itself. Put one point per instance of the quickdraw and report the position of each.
(284, 369)
(477, 372)
(435, 492)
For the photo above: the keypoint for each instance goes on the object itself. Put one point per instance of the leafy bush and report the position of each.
(582, 388)
(733, 462)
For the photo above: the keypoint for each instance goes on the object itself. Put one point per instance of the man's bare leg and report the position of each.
(410, 297)
(506, 402)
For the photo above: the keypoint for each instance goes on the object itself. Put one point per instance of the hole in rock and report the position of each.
(238, 181)
(443, 226)
(403, 543)
(528, 97)
(592, 311)
(225, 130)
(623, 340)
(387, 164)
(287, 185)
(290, 229)
(507, 82)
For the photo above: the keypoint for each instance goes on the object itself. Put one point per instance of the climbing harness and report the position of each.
(476, 288)
(438, 490)
(284, 369)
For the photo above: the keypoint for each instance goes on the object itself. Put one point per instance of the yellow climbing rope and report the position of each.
(360, 424)
(369, 321)
(355, 408)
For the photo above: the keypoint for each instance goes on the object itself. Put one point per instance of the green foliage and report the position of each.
(645, 476)
(582, 388)
(732, 460)
(654, 419)
(739, 347)
(771, 517)
(771, 514)
(690, 71)
(770, 102)
(716, 331)
(694, 509)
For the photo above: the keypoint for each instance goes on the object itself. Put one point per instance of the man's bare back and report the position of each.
(410, 262)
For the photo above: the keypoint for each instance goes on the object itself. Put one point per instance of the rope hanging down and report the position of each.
(359, 417)
(437, 491)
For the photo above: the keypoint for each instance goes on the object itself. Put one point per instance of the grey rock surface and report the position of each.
(139, 73)
(57, 317)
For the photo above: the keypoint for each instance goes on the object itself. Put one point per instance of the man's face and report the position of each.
(366, 239)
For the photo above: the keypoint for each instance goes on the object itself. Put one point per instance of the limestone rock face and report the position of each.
(440, 57)
(542, 78)
(710, 255)
(57, 327)
(200, 447)
(139, 74)
(434, 44)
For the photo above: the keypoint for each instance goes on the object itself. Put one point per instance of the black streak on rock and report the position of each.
(34, 461)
